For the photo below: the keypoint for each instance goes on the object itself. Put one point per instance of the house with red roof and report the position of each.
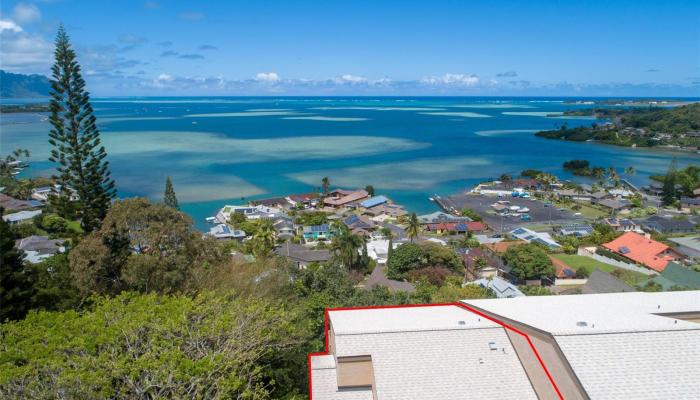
(643, 250)
(455, 227)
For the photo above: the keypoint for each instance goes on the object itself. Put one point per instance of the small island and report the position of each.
(24, 108)
(677, 127)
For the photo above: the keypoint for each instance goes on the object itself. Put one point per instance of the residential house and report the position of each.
(432, 352)
(654, 188)
(441, 217)
(636, 345)
(676, 275)
(688, 245)
(578, 230)
(562, 270)
(455, 228)
(20, 217)
(302, 256)
(385, 211)
(284, 229)
(602, 282)
(643, 250)
(622, 224)
(615, 205)
(690, 203)
(374, 201)
(305, 200)
(499, 248)
(668, 224)
(44, 193)
(225, 232)
(315, 233)
(470, 258)
(272, 202)
(9, 203)
(581, 195)
(38, 248)
(501, 287)
(340, 198)
(378, 278)
(359, 224)
(250, 212)
(378, 249)
(531, 236)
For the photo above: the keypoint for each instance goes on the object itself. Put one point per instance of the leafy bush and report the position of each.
(148, 346)
(529, 261)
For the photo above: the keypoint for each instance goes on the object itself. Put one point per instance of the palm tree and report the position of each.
(630, 171)
(613, 176)
(265, 237)
(413, 228)
(345, 246)
(325, 184)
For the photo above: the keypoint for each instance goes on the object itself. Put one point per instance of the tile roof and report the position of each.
(426, 353)
(502, 247)
(562, 270)
(346, 197)
(641, 249)
(643, 365)
(603, 313)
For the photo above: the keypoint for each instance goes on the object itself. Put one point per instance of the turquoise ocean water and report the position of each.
(225, 150)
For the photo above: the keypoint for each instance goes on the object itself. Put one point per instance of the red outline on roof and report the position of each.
(458, 304)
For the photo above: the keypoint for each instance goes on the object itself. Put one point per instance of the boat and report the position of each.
(211, 220)
(524, 210)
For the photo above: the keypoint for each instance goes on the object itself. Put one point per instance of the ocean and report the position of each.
(228, 150)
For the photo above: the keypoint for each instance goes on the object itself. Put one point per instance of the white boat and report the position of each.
(524, 210)
(514, 208)
(211, 220)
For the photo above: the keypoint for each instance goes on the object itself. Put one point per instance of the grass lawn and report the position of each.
(630, 277)
(74, 226)
(586, 210)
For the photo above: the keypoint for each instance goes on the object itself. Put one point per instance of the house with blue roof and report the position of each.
(374, 201)
(531, 236)
(315, 233)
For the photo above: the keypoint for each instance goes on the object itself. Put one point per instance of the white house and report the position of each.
(19, 217)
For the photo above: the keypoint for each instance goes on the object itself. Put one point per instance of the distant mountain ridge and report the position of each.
(19, 86)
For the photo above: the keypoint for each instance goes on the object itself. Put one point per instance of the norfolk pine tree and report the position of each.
(76, 142)
(169, 198)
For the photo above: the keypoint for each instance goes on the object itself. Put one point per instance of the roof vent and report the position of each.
(462, 322)
(581, 323)
(492, 346)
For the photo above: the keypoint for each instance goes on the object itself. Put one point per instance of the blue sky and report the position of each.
(162, 47)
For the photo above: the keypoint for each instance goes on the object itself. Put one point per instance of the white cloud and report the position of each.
(9, 25)
(347, 78)
(452, 79)
(21, 51)
(270, 77)
(26, 13)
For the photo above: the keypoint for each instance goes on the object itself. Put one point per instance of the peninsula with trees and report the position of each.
(677, 127)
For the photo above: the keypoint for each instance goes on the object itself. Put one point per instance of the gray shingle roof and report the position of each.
(602, 282)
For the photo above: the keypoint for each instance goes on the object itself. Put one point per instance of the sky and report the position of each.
(436, 47)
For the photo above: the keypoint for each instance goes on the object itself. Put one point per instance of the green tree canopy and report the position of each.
(149, 346)
(169, 198)
(77, 148)
(529, 261)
